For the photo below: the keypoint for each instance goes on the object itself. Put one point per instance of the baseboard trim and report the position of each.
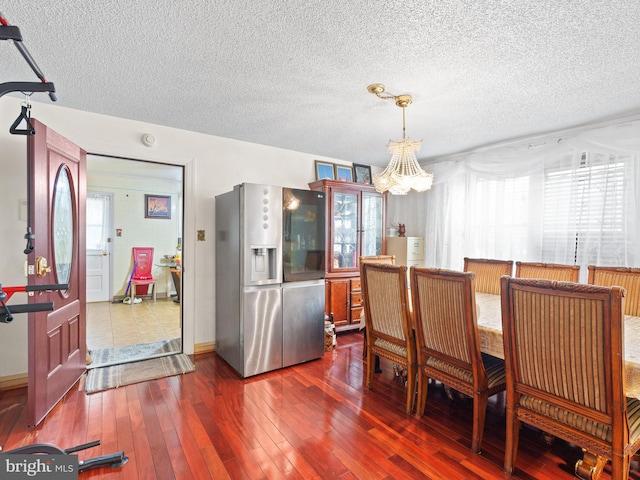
(21, 379)
(13, 381)
(206, 347)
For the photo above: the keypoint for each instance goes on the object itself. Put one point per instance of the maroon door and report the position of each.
(57, 339)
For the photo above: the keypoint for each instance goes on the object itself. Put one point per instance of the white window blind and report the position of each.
(584, 215)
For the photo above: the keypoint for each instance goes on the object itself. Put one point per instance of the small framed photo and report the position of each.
(344, 173)
(157, 206)
(324, 170)
(362, 173)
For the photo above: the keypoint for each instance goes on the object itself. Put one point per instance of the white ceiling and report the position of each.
(293, 74)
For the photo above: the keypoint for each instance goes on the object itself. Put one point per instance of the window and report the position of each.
(584, 215)
(97, 221)
(499, 209)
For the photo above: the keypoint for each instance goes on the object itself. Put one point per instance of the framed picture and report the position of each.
(157, 206)
(362, 173)
(344, 173)
(324, 170)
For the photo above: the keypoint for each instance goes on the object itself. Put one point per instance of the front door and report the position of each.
(56, 339)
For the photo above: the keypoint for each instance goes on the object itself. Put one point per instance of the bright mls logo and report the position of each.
(50, 467)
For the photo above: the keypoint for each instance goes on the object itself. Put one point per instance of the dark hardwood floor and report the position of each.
(312, 421)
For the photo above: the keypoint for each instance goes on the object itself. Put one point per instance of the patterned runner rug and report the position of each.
(103, 357)
(104, 378)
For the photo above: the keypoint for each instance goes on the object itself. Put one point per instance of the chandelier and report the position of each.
(403, 172)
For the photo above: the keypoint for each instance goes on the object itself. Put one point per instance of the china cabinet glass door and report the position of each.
(345, 230)
(372, 227)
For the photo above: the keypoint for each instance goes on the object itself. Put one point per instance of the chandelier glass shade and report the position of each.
(403, 173)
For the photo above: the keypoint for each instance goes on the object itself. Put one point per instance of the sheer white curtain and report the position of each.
(97, 205)
(566, 200)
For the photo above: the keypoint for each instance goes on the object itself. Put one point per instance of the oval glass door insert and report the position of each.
(62, 227)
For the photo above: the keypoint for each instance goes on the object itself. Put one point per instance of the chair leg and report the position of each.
(479, 415)
(511, 441)
(423, 387)
(590, 466)
(370, 367)
(411, 388)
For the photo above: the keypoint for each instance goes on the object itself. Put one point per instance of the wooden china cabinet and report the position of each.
(355, 227)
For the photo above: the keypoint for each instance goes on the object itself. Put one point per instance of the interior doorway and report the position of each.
(119, 219)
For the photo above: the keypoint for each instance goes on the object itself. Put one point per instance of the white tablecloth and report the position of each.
(490, 329)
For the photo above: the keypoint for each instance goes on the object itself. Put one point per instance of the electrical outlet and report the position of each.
(201, 235)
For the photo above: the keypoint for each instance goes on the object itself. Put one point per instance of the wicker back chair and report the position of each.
(382, 259)
(548, 271)
(627, 278)
(488, 273)
(389, 331)
(447, 342)
(564, 354)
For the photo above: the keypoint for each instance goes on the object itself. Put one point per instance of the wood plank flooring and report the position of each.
(311, 421)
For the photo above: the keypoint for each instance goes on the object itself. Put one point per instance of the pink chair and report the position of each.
(143, 277)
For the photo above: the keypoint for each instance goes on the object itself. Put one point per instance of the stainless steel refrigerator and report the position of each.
(270, 244)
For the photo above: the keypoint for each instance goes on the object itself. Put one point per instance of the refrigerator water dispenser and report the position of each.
(263, 263)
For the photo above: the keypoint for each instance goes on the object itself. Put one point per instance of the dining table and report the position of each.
(489, 317)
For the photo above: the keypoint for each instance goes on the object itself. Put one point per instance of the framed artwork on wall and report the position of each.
(157, 206)
(324, 170)
(344, 173)
(362, 173)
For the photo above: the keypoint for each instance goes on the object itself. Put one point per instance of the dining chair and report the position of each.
(447, 342)
(488, 273)
(384, 260)
(627, 278)
(388, 324)
(564, 352)
(548, 271)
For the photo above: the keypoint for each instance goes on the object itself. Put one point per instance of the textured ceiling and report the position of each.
(293, 74)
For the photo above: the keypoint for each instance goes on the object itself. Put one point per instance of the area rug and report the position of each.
(104, 378)
(104, 357)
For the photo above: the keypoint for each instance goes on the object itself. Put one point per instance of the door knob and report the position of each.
(41, 267)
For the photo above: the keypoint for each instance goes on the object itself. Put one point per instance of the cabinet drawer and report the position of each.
(415, 248)
(356, 299)
(355, 315)
(356, 285)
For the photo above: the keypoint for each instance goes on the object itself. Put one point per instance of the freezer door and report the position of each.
(262, 323)
(302, 321)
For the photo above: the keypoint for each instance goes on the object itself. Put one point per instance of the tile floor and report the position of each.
(118, 324)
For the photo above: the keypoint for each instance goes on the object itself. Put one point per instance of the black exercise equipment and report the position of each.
(113, 460)
(11, 32)
(6, 313)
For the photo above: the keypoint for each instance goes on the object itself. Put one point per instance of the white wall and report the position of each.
(213, 165)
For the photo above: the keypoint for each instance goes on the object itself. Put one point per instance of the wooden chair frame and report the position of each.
(448, 343)
(548, 271)
(627, 278)
(592, 413)
(488, 272)
(388, 322)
